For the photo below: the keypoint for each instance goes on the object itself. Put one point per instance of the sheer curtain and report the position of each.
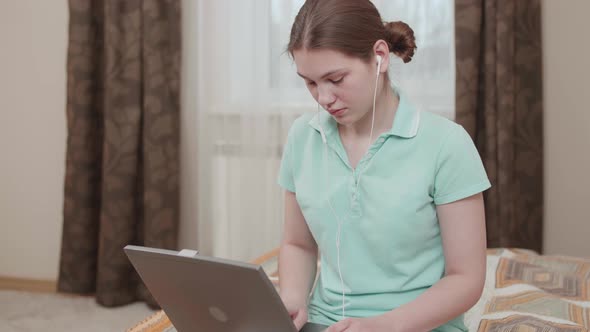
(248, 94)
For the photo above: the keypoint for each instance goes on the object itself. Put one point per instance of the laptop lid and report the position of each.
(200, 293)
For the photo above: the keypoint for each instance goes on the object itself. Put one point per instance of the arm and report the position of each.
(297, 258)
(463, 232)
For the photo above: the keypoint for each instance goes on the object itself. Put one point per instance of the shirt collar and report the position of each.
(405, 122)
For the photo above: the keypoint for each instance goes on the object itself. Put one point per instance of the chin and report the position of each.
(341, 121)
(344, 121)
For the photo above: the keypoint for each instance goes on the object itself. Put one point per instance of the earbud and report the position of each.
(379, 58)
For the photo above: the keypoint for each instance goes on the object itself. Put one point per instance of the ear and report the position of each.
(381, 48)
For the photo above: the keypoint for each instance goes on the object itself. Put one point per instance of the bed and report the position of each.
(524, 291)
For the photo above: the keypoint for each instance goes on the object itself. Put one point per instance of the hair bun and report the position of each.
(401, 40)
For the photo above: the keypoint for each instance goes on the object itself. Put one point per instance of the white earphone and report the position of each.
(325, 154)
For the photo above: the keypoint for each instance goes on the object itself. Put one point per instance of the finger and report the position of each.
(299, 320)
(340, 326)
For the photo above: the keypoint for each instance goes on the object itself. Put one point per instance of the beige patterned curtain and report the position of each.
(499, 102)
(122, 163)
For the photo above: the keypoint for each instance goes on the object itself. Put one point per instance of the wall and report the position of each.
(567, 126)
(32, 136)
(188, 233)
(33, 133)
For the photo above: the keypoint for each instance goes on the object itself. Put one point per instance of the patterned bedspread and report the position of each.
(523, 292)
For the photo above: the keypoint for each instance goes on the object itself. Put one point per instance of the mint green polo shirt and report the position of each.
(391, 248)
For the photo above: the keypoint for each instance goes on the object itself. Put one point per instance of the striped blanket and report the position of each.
(524, 291)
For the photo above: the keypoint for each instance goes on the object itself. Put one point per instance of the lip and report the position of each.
(337, 111)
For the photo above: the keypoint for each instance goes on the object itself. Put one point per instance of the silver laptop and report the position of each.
(207, 294)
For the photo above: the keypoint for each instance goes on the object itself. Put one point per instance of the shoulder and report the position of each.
(438, 125)
(439, 129)
(441, 137)
(300, 126)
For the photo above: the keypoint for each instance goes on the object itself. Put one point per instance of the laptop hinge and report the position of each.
(188, 253)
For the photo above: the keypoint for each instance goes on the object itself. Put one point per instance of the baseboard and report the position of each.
(29, 285)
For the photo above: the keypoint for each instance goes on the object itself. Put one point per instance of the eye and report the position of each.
(337, 81)
(310, 83)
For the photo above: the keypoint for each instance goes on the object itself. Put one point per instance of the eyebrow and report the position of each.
(332, 72)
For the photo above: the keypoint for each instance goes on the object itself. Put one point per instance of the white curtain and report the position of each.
(247, 95)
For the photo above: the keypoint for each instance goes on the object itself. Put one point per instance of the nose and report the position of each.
(325, 96)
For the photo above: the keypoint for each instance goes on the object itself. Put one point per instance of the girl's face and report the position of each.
(341, 84)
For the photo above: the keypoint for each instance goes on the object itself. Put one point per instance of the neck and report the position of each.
(385, 108)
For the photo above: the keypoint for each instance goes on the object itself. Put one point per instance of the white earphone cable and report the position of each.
(372, 120)
(325, 162)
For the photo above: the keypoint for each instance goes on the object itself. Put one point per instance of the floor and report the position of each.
(50, 312)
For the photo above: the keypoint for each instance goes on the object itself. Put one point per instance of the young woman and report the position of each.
(389, 198)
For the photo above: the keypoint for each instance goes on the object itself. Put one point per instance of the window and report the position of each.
(246, 94)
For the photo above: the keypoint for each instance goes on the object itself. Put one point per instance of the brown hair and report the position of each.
(348, 26)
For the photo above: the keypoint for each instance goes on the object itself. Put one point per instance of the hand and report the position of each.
(297, 312)
(379, 323)
(299, 316)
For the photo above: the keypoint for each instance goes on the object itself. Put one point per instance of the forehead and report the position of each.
(315, 63)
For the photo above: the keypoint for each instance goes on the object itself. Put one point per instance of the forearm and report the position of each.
(297, 270)
(452, 296)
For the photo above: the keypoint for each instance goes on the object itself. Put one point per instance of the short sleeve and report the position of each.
(460, 172)
(285, 179)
